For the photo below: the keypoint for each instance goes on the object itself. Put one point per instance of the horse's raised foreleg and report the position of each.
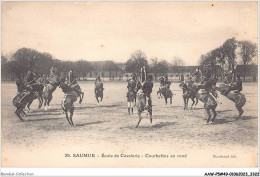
(140, 118)
(71, 115)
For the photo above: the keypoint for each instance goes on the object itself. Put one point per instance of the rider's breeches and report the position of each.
(130, 104)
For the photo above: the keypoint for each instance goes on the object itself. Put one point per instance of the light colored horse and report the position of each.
(141, 106)
(210, 104)
(238, 98)
(48, 90)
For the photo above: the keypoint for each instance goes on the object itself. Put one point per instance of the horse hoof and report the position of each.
(45, 108)
(206, 123)
(212, 123)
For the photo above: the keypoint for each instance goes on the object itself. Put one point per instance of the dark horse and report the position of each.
(25, 97)
(67, 103)
(37, 94)
(20, 101)
(167, 94)
(195, 92)
(99, 92)
(238, 98)
(165, 91)
(77, 88)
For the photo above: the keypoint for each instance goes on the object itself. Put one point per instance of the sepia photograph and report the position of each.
(129, 84)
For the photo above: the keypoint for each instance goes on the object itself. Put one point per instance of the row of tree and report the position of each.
(25, 58)
(226, 55)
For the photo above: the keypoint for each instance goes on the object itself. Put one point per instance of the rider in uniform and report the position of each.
(19, 84)
(132, 82)
(98, 81)
(238, 86)
(72, 82)
(184, 87)
(166, 82)
(147, 89)
(72, 78)
(210, 83)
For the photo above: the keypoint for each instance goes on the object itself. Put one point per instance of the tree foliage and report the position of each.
(137, 60)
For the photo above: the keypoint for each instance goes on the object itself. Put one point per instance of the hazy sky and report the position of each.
(114, 30)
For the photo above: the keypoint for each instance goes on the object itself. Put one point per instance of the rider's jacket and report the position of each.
(72, 78)
(238, 85)
(30, 76)
(65, 88)
(131, 84)
(209, 83)
(148, 87)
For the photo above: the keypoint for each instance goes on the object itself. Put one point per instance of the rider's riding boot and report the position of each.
(128, 110)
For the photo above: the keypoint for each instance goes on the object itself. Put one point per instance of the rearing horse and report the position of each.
(165, 91)
(49, 89)
(238, 98)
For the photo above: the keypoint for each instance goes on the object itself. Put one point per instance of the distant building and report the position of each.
(250, 72)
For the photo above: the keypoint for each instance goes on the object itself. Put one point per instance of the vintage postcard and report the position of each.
(129, 84)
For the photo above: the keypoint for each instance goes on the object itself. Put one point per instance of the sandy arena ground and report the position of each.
(45, 137)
